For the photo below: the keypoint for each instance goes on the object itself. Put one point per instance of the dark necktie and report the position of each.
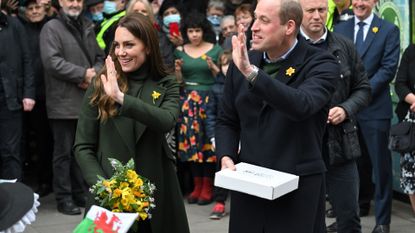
(359, 37)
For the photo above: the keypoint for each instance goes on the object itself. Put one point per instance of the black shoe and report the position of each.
(332, 227)
(330, 213)
(68, 208)
(381, 229)
(44, 190)
(363, 212)
(80, 201)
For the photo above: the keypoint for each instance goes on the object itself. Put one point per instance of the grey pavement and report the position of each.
(50, 221)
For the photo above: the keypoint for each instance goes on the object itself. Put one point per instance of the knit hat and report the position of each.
(90, 3)
(166, 5)
(16, 200)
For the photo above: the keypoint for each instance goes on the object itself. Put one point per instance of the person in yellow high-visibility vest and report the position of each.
(114, 10)
(338, 10)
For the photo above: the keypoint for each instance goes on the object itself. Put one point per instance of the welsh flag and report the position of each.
(102, 220)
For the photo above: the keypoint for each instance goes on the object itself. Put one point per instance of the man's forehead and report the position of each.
(268, 10)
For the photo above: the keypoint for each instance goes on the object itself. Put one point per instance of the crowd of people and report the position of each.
(187, 88)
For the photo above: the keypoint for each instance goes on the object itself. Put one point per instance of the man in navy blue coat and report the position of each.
(379, 51)
(275, 102)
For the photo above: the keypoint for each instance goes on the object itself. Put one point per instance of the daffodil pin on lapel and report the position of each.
(290, 71)
(375, 29)
(155, 96)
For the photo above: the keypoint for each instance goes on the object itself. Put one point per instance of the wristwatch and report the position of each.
(251, 76)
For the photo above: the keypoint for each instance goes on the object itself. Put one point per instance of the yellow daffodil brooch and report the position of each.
(203, 56)
(155, 96)
(290, 71)
(375, 29)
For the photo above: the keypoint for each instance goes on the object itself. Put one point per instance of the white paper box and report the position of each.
(258, 181)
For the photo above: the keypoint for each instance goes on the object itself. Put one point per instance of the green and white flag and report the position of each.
(102, 220)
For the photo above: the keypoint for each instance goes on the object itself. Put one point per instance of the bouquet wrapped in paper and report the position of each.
(125, 191)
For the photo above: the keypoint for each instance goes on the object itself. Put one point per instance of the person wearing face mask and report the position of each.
(113, 11)
(170, 15)
(95, 12)
(70, 57)
(214, 13)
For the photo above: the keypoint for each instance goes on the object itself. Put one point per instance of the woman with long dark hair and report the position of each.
(126, 113)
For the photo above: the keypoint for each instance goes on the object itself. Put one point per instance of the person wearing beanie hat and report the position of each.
(18, 206)
(95, 12)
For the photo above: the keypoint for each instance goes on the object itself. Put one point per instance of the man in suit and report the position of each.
(70, 57)
(275, 103)
(377, 42)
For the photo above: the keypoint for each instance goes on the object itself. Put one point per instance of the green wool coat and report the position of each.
(137, 132)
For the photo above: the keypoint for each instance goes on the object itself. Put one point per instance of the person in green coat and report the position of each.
(126, 113)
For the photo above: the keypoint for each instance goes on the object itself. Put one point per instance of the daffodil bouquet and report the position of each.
(125, 191)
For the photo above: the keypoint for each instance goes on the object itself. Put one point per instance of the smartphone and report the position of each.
(174, 29)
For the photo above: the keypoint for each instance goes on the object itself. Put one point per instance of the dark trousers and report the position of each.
(301, 210)
(364, 167)
(37, 130)
(10, 142)
(67, 177)
(343, 190)
(375, 134)
(203, 169)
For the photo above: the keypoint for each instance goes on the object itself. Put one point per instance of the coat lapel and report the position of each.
(152, 94)
(376, 23)
(126, 132)
(291, 65)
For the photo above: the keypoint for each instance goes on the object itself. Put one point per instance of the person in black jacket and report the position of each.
(37, 121)
(212, 110)
(405, 89)
(275, 102)
(17, 92)
(352, 94)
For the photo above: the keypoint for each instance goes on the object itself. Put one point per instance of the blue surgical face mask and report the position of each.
(171, 19)
(97, 17)
(110, 7)
(214, 20)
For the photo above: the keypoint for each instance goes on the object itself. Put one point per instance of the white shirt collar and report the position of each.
(283, 57)
(368, 20)
(320, 40)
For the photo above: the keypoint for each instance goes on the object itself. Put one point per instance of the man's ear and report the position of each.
(291, 27)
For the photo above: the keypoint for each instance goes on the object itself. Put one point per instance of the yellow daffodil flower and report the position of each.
(155, 96)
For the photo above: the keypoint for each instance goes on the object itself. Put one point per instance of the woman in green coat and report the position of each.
(125, 114)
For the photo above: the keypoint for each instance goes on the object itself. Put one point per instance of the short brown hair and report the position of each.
(291, 10)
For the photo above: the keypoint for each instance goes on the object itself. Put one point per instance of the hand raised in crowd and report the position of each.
(336, 115)
(11, 6)
(178, 63)
(176, 39)
(110, 82)
(212, 66)
(28, 104)
(240, 52)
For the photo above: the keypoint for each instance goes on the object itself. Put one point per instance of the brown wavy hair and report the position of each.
(141, 27)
